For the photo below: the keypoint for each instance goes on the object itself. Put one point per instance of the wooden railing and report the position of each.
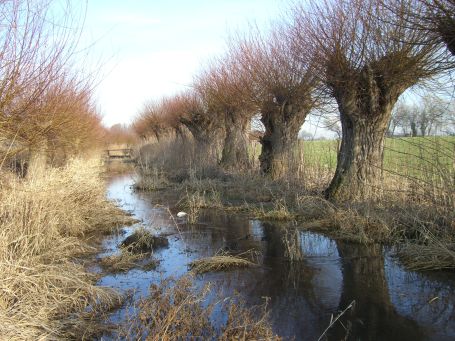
(126, 153)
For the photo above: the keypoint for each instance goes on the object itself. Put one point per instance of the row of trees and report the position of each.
(46, 104)
(360, 55)
(432, 116)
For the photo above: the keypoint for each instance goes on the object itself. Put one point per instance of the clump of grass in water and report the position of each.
(143, 241)
(195, 201)
(44, 294)
(126, 260)
(176, 310)
(279, 211)
(433, 253)
(151, 179)
(222, 261)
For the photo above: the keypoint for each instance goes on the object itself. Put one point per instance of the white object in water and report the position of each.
(181, 214)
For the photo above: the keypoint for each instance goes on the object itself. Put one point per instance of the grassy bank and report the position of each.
(47, 222)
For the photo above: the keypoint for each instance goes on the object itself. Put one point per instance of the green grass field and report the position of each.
(408, 156)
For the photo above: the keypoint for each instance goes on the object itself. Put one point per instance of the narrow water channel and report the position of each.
(390, 302)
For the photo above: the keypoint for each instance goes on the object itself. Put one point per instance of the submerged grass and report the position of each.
(45, 222)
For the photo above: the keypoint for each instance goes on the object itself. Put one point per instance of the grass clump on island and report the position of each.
(125, 261)
(46, 222)
(136, 251)
(222, 261)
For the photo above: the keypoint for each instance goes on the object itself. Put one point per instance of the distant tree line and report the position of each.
(432, 116)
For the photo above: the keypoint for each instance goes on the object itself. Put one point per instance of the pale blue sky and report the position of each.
(152, 48)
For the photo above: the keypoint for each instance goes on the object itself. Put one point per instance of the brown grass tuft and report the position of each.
(427, 257)
(220, 262)
(125, 261)
(143, 241)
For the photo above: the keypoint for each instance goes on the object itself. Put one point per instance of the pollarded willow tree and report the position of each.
(366, 59)
(151, 121)
(282, 86)
(221, 85)
(191, 110)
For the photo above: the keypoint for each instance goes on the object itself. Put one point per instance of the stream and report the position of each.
(390, 302)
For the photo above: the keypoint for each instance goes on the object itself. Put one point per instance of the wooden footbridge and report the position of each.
(122, 154)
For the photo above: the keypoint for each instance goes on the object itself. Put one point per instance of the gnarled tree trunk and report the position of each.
(365, 108)
(205, 143)
(282, 124)
(360, 157)
(235, 148)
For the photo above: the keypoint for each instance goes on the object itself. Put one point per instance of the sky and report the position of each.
(145, 49)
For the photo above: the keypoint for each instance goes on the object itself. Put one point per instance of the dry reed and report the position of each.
(178, 310)
(427, 257)
(44, 294)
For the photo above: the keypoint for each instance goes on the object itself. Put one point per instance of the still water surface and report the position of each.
(391, 303)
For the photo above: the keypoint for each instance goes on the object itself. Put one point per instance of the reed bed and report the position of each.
(46, 222)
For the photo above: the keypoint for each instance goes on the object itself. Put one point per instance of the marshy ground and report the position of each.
(302, 278)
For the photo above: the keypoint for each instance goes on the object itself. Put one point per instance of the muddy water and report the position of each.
(390, 303)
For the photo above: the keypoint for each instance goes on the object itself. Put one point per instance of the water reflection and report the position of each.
(323, 278)
(373, 317)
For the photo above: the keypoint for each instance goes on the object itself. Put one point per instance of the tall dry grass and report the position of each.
(45, 221)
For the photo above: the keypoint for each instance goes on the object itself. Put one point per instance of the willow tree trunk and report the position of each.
(235, 148)
(365, 108)
(359, 162)
(37, 159)
(205, 146)
(282, 124)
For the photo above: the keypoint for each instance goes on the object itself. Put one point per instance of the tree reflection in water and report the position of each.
(373, 317)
